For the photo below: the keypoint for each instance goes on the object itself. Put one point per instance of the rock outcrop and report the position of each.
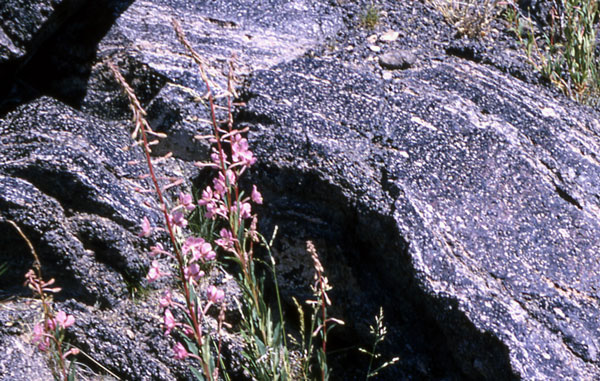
(25, 25)
(483, 190)
(459, 193)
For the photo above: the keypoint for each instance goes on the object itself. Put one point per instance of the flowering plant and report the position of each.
(49, 333)
(225, 207)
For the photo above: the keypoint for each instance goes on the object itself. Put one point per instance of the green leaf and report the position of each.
(3, 268)
(277, 335)
(262, 349)
(191, 345)
(197, 374)
(72, 371)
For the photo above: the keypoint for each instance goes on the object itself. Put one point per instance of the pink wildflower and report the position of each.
(64, 320)
(72, 351)
(186, 200)
(170, 322)
(214, 295)
(207, 197)
(211, 210)
(156, 250)
(206, 252)
(210, 200)
(192, 244)
(226, 241)
(200, 249)
(40, 338)
(178, 219)
(240, 153)
(256, 196)
(180, 351)
(154, 273)
(146, 228)
(214, 209)
(220, 184)
(193, 271)
(252, 233)
(51, 324)
(166, 301)
(245, 210)
(221, 210)
(216, 158)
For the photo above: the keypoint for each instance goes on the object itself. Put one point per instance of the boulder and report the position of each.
(459, 194)
(456, 190)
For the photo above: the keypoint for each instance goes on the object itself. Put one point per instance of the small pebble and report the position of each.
(398, 59)
(389, 36)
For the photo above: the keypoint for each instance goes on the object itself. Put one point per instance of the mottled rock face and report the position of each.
(468, 167)
(25, 25)
(67, 182)
(461, 199)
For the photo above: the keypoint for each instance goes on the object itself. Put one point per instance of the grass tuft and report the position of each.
(379, 331)
(567, 56)
(370, 17)
(471, 18)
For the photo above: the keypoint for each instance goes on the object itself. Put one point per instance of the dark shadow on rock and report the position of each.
(366, 260)
(27, 25)
(15, 253)
(63, 186)
(62, 65)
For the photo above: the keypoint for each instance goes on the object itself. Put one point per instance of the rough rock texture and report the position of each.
(459, 194)
(26, 24)
(68, 183)
(69, 186)
(487, 186)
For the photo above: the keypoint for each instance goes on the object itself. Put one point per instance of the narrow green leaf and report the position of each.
(262, 349)
(72, 371)
(197, 374)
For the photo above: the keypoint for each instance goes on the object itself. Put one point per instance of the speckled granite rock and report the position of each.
(479, 189)
(460, 198)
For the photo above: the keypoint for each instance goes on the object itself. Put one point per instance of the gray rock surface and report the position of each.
(491, 201)
(67, 185)
(26, 24)
(458, 194)
(52, 172)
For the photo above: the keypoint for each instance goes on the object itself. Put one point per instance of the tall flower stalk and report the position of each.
(49, 333)
(190, 255)
(232, 235)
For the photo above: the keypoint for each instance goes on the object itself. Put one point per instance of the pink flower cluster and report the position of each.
(44, 331)
(196, 252)
(221, 202)
(215, 198)
(214, 295)
(199, 249)
(240, 153)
